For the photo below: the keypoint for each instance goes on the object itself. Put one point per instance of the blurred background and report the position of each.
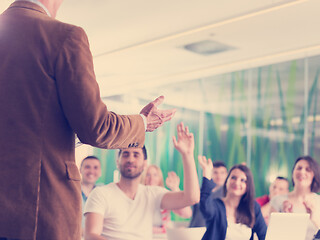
(244, 76)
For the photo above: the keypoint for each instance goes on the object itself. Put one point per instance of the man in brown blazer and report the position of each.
(48, 92)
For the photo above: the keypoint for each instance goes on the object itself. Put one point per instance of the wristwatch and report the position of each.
(317, 236)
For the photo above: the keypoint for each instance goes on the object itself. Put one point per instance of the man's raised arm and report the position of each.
(191, 193)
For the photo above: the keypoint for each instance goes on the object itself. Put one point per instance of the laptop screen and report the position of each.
(291, 226)
(185, 233)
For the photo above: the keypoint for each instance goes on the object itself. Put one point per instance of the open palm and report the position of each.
(173, 181)
(206, 166)
(185, 142)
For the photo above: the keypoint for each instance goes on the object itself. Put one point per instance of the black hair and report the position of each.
(89, 157)
(144, 150)
(282, 178)
(217, 164)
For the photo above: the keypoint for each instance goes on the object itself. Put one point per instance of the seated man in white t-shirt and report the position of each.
(124, 210)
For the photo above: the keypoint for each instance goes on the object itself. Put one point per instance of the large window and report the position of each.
(265, 117)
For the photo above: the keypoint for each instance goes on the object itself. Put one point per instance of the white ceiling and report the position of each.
(139, 44)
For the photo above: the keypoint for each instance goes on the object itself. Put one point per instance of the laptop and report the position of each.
(291, 226)
(185, 233)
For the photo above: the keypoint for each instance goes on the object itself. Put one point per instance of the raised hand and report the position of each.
(173, 181)
(154, 116)
(191, 192)
(206, 165)
(287, 206)
(313, 210)
(185, 142)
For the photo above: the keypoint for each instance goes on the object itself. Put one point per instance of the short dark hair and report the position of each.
(144, 150)
(217, 164)
(89, 157)
(282, 178)
(314, 165)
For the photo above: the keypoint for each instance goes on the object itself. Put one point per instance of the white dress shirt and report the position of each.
(38, 3)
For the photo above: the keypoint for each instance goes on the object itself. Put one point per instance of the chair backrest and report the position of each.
(185, 233)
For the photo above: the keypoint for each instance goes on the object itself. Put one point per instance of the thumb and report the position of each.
(158, 101)
(174, 141)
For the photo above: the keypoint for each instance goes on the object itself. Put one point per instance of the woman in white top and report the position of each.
(303, 198)
(162, 220)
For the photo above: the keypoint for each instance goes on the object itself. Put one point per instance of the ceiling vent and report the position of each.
(207, 47)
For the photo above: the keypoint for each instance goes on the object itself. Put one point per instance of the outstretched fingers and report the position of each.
(180, 130)
(180, 134)
(202, 159)
(187, 130)
(158, 101)
(167, 115)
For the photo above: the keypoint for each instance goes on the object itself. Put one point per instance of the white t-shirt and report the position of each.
(124, 218)
(277, 204)
(238, 231)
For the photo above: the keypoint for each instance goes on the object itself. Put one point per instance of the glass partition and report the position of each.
(264, 117)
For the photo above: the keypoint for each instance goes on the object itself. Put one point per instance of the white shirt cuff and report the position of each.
(144, 121)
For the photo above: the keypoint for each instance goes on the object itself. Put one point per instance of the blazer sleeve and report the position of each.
(260, 226)
(207, 206)
(79, 97)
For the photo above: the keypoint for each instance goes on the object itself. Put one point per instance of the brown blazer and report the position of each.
(48, 92)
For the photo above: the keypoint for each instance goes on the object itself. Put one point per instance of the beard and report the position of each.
(130, 173)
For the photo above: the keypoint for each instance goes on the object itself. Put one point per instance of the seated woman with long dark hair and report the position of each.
(236, 216)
